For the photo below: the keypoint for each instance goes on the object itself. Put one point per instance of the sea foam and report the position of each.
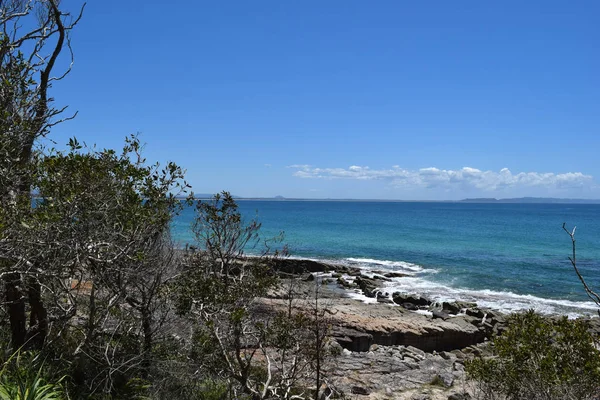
(417, 282)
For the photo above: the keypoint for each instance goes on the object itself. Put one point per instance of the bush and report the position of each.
(23, 377)
(540, 358)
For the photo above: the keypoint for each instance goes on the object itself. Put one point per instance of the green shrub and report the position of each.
(22, 379)
(540, 358)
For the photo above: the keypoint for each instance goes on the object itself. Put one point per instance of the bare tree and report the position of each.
(591, 294)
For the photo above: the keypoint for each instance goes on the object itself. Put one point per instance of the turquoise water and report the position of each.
(505, 256)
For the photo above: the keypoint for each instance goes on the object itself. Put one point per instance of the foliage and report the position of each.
(259, 350)
(540, 358)
(91, 278)
(22, 379)
(97, 242)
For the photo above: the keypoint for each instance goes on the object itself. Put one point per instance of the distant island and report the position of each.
(532, 200)
(515, 200)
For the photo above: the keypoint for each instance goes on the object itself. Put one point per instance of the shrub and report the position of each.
(540, 358)
(22, 379)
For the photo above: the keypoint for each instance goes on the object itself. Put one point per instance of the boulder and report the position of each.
(344, 283)
(395, 275)
(400, 298)
(440, 314)
(360, 390)
(456, 307)
(368, 285)
(409, 306)
(352, 339)
(475, 312)
(299, 266)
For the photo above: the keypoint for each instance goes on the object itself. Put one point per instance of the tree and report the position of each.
(27, 63)
(97, 243)
(259, 350)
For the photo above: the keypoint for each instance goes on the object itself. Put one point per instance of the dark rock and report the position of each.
(395, 275)
(459, 396)
(352, 271)
(345, 284)
(382, 295)
(417, 300)
(440, 314)
(384, 300)
(455, 307)
(308, 278)
(367, 285)
(409, 306)
(360, 390)
(352, 339)
(299, 266)
(381, 278)
(475, 312)
(452, 308)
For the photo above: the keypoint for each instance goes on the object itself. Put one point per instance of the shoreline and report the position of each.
(413, 281)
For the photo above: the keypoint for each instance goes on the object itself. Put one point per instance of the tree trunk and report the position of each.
(16, 310)
(148, 340)
(38, 319)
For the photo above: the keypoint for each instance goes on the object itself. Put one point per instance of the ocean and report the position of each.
(508, 257)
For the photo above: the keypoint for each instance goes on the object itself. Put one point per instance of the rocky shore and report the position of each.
(398, 345)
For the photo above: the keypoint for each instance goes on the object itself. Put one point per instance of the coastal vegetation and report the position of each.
(540, 358)
(99, 303)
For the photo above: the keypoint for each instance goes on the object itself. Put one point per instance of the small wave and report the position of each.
(415, 282)
(395, 265)
(497, 300)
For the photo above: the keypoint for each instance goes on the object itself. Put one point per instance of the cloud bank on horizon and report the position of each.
(464, 178)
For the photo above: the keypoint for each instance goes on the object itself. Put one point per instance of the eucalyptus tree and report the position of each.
(98, 244)
(33, 35)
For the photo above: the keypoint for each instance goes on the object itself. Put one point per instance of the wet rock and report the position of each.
(451, 308)
(438, 314)
(409, 306)
(456, 307)
(345, 284)
(299, 266)
(384, 300)
(475, 312)
(368, 285)
(400, 298)
(395, 275)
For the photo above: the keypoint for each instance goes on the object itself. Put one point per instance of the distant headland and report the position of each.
(492, 200)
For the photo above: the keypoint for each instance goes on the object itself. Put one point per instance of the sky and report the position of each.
(346, 99)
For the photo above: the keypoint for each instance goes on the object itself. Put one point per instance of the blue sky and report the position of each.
(347, 99)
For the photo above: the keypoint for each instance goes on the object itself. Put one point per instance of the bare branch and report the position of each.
(590, 293)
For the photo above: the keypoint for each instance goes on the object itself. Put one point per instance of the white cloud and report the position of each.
(268, 165)
(465, 178)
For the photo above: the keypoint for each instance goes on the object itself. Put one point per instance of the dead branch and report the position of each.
(590, 293)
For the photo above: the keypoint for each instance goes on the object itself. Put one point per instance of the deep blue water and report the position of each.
(507, 256)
